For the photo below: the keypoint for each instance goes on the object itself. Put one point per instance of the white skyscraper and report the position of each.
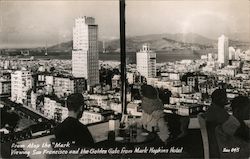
(21, 82)
(223, 54)
(85, 50)
(146, 62)
(231, 53)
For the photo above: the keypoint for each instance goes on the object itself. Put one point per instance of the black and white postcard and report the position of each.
(125, 79)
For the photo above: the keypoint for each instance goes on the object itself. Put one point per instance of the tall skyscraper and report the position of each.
(85, 50)
(231, 53)
(146, 62)
(223, 54)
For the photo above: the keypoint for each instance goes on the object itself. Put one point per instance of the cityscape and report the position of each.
(35, 88)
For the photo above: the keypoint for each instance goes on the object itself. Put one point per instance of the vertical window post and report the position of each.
(123, 56)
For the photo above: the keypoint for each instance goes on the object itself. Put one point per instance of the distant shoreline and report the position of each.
(162, 56)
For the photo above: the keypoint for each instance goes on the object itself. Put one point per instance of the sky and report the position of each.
(33, 23)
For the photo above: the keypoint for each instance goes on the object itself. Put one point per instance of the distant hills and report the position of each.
(158, 42)
(65, 47)
(163, 42)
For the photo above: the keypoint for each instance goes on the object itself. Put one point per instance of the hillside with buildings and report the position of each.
(158, 42)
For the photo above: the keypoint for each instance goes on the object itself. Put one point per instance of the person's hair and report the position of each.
(219, 97)
(149, 91)
(75, 101)
(150, 100)
(241, 107)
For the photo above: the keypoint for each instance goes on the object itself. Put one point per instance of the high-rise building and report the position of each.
(231, 53)
(146, 62)
(21, 83)
(5, 84)
(5, 87)
(64, 85)
(85, 50)
(223, 54)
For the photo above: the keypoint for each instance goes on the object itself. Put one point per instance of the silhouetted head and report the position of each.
(219, 97)
(241, 108)
(149, 91)
(75, 104)
(9, 119)
(150, 100)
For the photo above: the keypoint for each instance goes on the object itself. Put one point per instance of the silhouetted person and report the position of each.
(234, 133)
(217, 113)
(241, 111)
(9, 119)
(71, 129)
(214, 116)
(241, 108)
(152, 113)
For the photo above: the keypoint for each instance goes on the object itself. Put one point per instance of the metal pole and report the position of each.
(123, 56)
